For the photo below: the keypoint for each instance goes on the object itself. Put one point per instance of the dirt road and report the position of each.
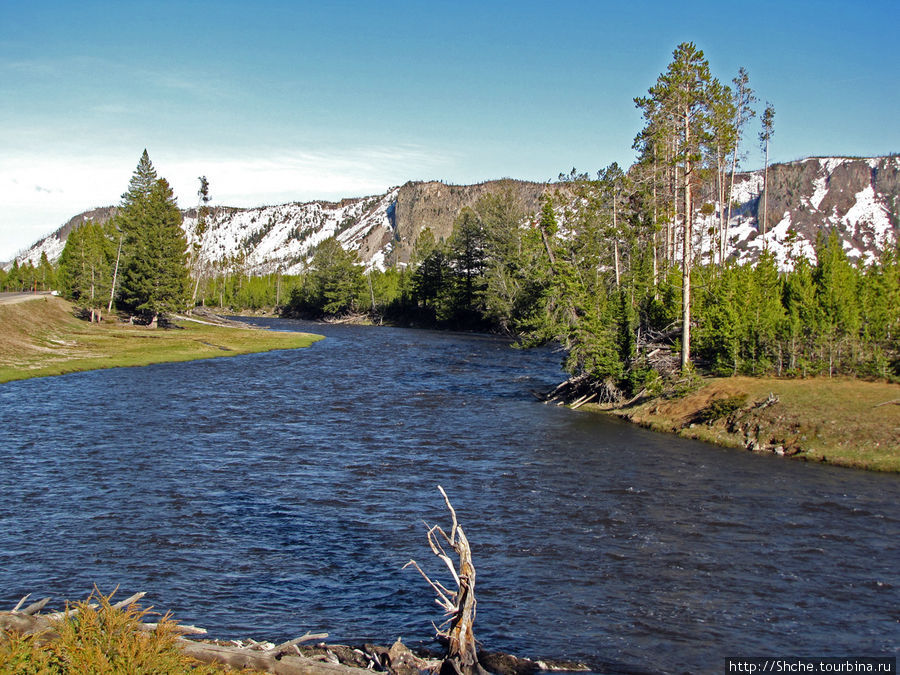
(12, 298)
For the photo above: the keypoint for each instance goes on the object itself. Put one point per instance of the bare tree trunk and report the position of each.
(196, 288)
(766, 192)
(462, 653)
(112, 290)
(686, 255)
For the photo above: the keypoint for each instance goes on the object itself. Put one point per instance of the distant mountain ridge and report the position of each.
(857, 197)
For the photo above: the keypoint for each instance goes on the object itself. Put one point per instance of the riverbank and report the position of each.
(121, 640)
(841, 421)
(42, 337)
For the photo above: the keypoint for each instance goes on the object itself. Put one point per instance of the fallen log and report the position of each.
(237, 657)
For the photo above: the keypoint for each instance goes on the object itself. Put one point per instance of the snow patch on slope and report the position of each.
(820, 189)
(747, 189)
(271, 238)
(829, 164)
(52, 246)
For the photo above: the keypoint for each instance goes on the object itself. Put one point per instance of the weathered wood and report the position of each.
(21, 602)
(462, 653)
(896, 400)
(260, 660)
(35, 607)
(129, 600)
(69, 611)
(181, 628)
(26, 624)
(584, 399)
(308, 637)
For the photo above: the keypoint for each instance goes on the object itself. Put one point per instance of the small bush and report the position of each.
(720, 408)
(101, 640)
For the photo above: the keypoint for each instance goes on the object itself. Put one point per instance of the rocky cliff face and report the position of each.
(859, 198)
(435, 206)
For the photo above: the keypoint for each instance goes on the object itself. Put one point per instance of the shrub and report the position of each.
(101, 639)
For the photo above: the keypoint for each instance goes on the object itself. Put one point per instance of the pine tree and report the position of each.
(679, 102)
(502, 216)
(743, 111)
(764, 315)
(801, 308)
(156, 278)
(431, 281)
(332, 286)
(140, 186)
(765, 135)
(47, 275)
(723, 142)
(131, 218)
(84, 268)
(13, 278)
(468, 259)
(880, 312)
(837, 301)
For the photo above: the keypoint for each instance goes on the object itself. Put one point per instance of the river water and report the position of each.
(270, 494)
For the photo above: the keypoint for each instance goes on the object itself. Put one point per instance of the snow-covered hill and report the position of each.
(272, 238)
(859, 198)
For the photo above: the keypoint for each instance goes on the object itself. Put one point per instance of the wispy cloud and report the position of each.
(264, 178)
(42, 190)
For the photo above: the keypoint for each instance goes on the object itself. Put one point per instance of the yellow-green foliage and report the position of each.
(100, 640)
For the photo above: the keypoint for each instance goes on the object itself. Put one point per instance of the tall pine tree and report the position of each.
(156, 277)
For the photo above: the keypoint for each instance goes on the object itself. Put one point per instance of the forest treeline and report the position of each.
(609, 268)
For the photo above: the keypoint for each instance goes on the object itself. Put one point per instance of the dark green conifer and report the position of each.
(155, 279)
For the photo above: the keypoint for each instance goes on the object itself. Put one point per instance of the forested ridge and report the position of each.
(611, 266)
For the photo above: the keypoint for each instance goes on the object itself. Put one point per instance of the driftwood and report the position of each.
(283, 659)
(896, 400)
(265, 660)
(459, 605)
(581, 389)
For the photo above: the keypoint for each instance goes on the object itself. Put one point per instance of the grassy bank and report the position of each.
(841, 421)
(43, 337)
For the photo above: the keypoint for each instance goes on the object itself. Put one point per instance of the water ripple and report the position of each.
(271, 494)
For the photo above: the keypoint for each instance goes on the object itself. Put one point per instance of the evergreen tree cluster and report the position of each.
(137, 261)
(29, 277)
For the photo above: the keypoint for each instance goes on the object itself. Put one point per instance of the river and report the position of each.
(270, 494)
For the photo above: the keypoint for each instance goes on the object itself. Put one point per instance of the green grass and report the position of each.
(42, 337)
(841, 421)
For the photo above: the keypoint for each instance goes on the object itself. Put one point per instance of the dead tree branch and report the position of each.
(459, 605)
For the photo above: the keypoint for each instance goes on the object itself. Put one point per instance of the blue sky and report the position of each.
(293, 101)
